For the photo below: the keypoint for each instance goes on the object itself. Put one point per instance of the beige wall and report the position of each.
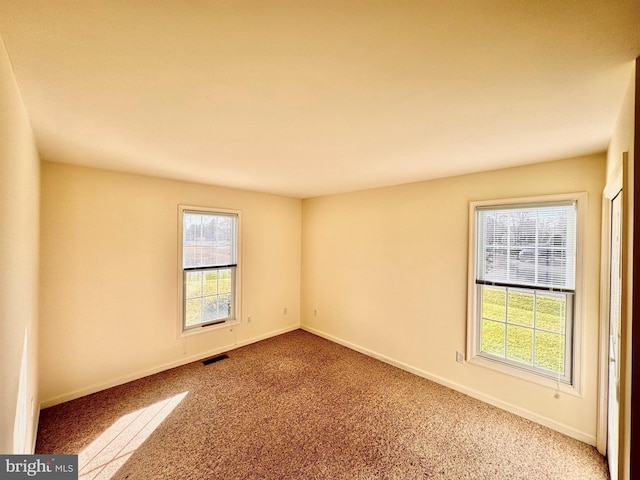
(109, 276)
(623, 141)
(19, 210)
(386, 270)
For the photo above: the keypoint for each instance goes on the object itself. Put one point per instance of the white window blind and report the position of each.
(532, 246)
(209, 240)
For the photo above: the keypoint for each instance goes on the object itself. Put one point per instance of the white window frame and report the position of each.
(474, 316)
(235, 317)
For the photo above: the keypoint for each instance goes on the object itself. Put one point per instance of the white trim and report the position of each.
(611, 190)
(580, 298)
(160, 368)
(237, 310)
(603, 342)
(496, 402)
(36, 424)
(472, 349)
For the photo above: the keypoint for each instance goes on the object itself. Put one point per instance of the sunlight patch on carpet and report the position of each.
(107, 453)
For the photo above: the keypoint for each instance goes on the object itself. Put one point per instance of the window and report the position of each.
(209, 275)
(523, 305)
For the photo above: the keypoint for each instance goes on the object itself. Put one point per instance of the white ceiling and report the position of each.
(306, 98)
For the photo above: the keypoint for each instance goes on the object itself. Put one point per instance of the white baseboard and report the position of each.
(274, 333)
(496, 402)
(558, 426)
(160, 368)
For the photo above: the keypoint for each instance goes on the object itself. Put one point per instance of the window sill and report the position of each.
(526, 375)
(209, 328)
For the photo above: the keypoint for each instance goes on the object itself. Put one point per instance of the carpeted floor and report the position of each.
(299, 407)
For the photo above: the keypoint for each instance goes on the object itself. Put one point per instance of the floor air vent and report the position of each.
(217, 358)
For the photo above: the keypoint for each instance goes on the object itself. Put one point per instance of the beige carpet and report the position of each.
(300, 407)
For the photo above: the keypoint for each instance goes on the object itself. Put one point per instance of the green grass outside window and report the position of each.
(524, 327)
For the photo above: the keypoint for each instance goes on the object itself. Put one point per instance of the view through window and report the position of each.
(525, 280)
(209, 266)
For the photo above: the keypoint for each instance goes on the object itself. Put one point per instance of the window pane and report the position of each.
(532, 334)
(527, 245)
(210, 284)
(495, 259)
(224, 305)
(210, 309)
(193, 311)
(551, 312)
(520, 308)
(208, 295)
(208, 239)
(193, 284)
(550, 351)
(494, 303)
(520, 344)
(224, 281)
(493, 337)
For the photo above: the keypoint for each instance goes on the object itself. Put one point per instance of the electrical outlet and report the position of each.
(459, 357)
(284, 311)
(249, 319)
(315, 312)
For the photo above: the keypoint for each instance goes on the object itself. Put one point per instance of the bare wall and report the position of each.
(19, 221)
(385, 271)
(109, 275)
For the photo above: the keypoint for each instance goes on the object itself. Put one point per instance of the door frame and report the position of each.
(611, 190)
